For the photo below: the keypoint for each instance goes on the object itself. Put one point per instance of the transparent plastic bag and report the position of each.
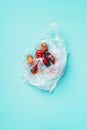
(47, 76)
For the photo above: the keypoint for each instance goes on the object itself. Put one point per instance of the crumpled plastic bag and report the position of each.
(47, 77)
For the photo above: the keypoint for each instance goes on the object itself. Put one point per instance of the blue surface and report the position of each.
(26, 108)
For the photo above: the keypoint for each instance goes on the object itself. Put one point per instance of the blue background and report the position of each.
(23, 107)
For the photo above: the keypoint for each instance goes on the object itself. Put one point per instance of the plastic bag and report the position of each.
(46, 76)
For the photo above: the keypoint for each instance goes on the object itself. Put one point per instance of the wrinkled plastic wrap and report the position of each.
(47, 77)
